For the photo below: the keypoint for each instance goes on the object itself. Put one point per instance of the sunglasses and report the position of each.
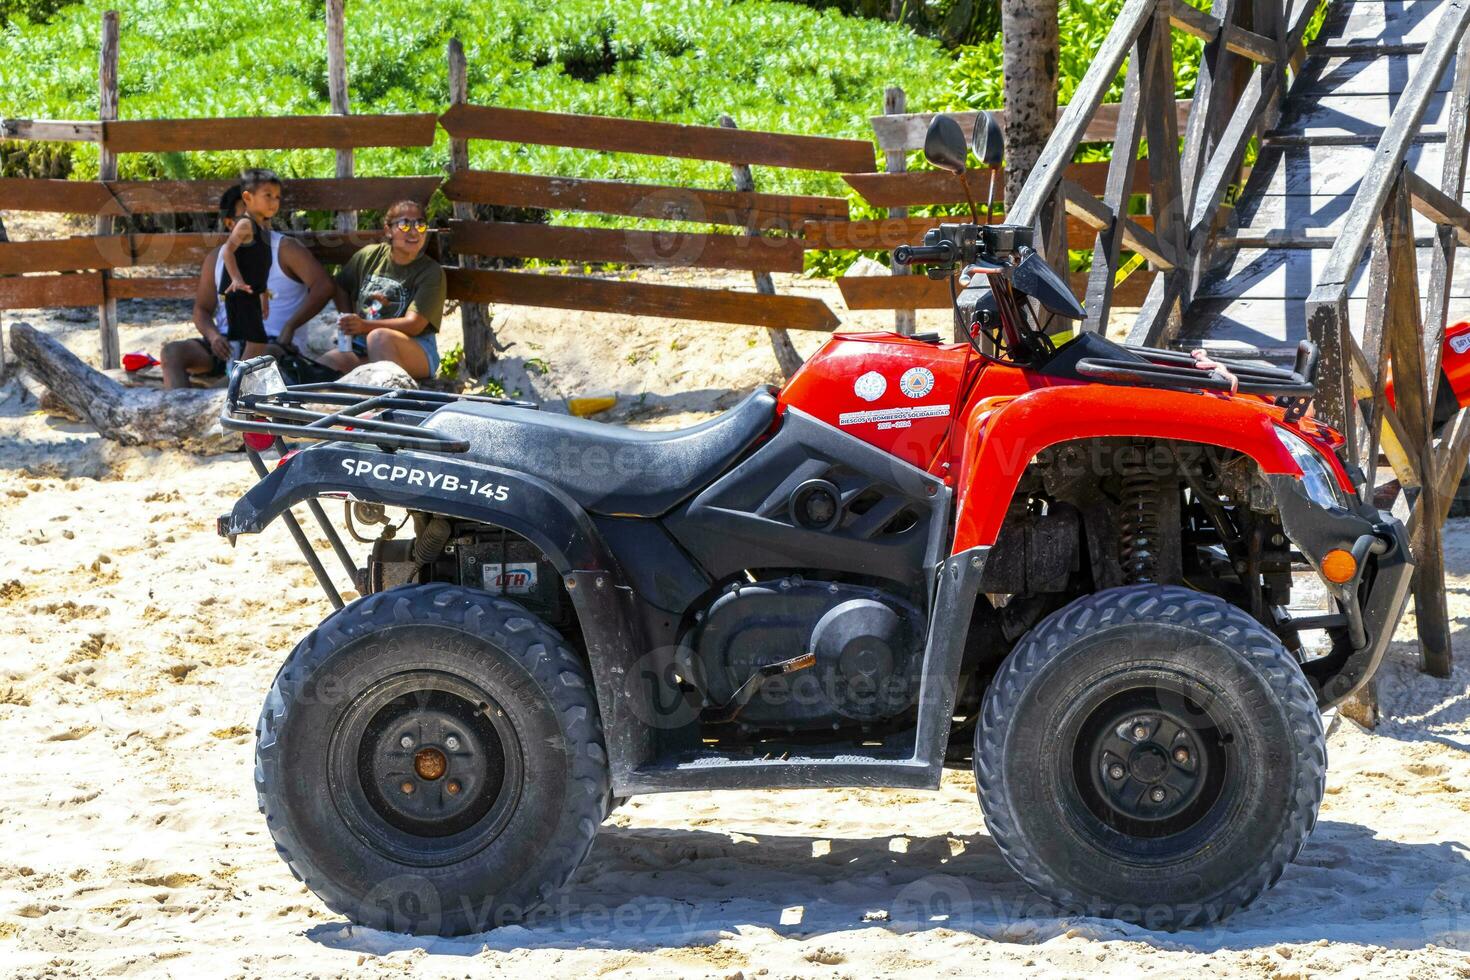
(409, 224)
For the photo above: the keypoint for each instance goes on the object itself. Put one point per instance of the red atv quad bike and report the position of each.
(1067, 566)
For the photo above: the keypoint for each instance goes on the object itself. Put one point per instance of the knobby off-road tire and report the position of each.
(1150, 753)
(384, 706)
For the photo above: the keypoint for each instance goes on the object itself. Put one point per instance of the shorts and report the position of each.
(217, 366)
(424, 340)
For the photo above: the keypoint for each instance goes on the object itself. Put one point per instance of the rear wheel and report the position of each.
(430, 760)
(1150, 753)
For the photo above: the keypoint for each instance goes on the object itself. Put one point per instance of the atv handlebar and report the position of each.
(944, 253)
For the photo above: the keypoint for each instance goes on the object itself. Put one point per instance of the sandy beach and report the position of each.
(136, 646)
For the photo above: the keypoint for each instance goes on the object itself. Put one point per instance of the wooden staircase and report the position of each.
(1345, 232)
(1271, 250)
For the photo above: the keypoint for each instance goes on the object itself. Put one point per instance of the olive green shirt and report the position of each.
(381, 289)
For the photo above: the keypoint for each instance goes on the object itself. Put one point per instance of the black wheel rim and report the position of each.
(1151, 766)
(425, 767)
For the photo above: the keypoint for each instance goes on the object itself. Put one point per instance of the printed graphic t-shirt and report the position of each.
(381, 289)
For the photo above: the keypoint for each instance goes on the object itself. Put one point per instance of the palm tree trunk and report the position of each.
(1031, 50)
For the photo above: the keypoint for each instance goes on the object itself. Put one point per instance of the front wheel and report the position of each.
(430, 760)
(1150, 753)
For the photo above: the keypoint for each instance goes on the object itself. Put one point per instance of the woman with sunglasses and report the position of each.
(391, 299)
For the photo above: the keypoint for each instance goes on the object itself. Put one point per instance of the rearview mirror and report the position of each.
(944, 145)
(988, 141)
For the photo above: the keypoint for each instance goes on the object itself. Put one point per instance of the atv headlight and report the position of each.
(1317, 478)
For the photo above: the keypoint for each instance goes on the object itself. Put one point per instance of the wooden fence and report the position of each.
(778, 228)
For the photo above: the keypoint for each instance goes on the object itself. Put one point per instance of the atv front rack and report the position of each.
(258, 400)
(1293, 389)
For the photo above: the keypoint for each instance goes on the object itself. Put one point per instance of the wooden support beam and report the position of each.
(1193, 21)
(480, 346)
(107, 170)
(787, 359)
(337, 91)
(1108, 241)
(1452, 182)
(1097, 216)
(1438, 206)
(1402, 329)
(1250, 45)
(896, 162)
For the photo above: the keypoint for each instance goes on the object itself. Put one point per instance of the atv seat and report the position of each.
(608, 469)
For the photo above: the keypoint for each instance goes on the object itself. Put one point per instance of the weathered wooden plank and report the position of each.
(891, 232)
(1422, 106)
(906, 132)
(1359, 25)
(269, 133)
(1349, 119)
(43, 292)
(1432, 203)
(1295, 220)
(1329, 171)
(920, 293)
(56, 196)
(1292, 273)
(63, 255)
(659, 138)
(502, 239)
(640, 299)
(305, 194)
(152, 287)
(1268, 328)
(652, 201)
(1359, 74)
(940, 187)
(51, 130)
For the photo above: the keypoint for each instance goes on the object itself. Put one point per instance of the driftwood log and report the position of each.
(185, 419)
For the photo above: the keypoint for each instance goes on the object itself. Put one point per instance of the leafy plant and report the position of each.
(451, 362)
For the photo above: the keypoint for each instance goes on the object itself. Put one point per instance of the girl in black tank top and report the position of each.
(246, 312)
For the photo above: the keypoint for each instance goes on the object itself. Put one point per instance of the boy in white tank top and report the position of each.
(300, 288)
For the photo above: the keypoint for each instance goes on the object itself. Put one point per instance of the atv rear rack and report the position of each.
(258, 400)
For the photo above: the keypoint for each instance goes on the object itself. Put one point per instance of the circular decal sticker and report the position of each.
(916, 382)
(870, 387)
(1461, 343)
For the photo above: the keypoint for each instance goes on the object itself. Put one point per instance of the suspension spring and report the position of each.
(1141, 534)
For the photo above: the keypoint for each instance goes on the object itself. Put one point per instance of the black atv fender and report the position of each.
(499, 497)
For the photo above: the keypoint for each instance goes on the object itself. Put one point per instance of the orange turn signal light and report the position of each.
(1339, 566)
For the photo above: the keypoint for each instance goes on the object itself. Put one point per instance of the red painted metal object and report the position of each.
(978, 424)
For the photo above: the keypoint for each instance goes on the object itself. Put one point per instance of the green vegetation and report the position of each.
(774, 66)
(814, 66)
